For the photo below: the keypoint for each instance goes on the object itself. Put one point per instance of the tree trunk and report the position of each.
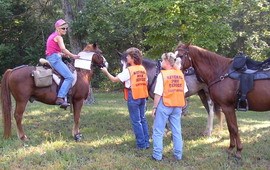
(75, 42)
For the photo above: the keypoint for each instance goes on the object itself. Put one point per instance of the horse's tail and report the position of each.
(6, 104)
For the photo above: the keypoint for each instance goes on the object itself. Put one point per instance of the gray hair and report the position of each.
(173, 60)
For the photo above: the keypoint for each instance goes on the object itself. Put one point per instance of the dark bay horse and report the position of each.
(194, 86)
(20, 84)
(213, 70)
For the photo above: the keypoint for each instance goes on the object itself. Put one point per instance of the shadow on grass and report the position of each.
(108, 139)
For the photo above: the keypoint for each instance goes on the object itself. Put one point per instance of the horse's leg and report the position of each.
(18, 115)
(220, 116)
(233, 130)
(77, 105)
(185, 108)
(209, 106)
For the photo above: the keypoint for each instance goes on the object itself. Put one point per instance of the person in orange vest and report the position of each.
(135, 80)
(168, 103)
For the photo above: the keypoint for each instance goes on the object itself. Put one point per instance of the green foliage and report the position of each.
(166, 23)
(251, 22)
(5, 52)
(105, 22)
(225, 27)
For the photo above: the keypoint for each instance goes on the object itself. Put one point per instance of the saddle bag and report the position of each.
(42, 76)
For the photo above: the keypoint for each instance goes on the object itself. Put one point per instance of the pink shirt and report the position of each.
(51, 45)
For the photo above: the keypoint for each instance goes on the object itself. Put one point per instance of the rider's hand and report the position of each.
(75, 56)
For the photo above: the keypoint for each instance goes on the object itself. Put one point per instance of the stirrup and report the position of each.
(242, 105)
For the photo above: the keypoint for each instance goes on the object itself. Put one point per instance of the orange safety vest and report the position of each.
(173, 83)
(138, 81)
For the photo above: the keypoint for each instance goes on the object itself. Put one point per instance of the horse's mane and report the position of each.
(212, 59)
(148, 62)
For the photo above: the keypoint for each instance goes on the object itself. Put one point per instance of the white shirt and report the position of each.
(159, 85)
(124, 76)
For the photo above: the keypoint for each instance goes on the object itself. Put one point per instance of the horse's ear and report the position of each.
(95, 45)
(188, 43)
(119, 53)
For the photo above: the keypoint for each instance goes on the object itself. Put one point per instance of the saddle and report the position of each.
(247, 71)
(57, 78)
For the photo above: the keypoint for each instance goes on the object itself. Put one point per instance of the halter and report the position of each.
(184, 56)
(104, 64)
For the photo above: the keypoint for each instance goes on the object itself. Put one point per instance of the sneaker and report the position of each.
(153, 158)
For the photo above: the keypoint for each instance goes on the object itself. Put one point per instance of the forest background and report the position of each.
(155, 26)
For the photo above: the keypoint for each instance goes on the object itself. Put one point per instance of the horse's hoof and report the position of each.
(238, 155)
(207, 133)
(78, 137)
(230, 151)
(24, 138)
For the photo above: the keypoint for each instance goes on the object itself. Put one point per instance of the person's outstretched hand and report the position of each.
(104, 69)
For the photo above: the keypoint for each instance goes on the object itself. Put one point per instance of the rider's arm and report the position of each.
(62, 46)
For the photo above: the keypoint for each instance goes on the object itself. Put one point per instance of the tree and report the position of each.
(75, 43)
(165, 23)
(251, 22)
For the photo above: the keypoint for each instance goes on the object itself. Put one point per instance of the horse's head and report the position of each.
(92, 48)
(182, 51)
(98, 59)
(123, 59)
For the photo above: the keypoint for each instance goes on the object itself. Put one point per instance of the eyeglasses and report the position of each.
(64, 28)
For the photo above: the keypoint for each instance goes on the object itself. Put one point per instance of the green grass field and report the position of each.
(108, 141)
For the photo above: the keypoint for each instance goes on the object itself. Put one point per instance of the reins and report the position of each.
(221, 78)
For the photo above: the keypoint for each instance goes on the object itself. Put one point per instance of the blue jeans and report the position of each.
(138, 120)
(173, 115)
(57, 63)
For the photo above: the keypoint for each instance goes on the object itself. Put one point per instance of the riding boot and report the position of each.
(63, 104)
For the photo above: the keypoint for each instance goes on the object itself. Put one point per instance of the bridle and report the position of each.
(104, 64)
(185, 56)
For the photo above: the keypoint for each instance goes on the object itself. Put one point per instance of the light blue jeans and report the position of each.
(57, 63)
(138, 120)
(173, 115)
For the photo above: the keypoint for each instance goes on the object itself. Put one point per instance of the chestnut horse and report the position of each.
(194, 86)
(20, 84)
(213, 69)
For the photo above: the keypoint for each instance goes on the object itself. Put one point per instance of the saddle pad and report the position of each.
(57, 79)
(84, 61)
(259, 75)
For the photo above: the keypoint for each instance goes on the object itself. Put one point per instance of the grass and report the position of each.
(108, 141)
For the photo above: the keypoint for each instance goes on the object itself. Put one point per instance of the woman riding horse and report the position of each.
(20, 84)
